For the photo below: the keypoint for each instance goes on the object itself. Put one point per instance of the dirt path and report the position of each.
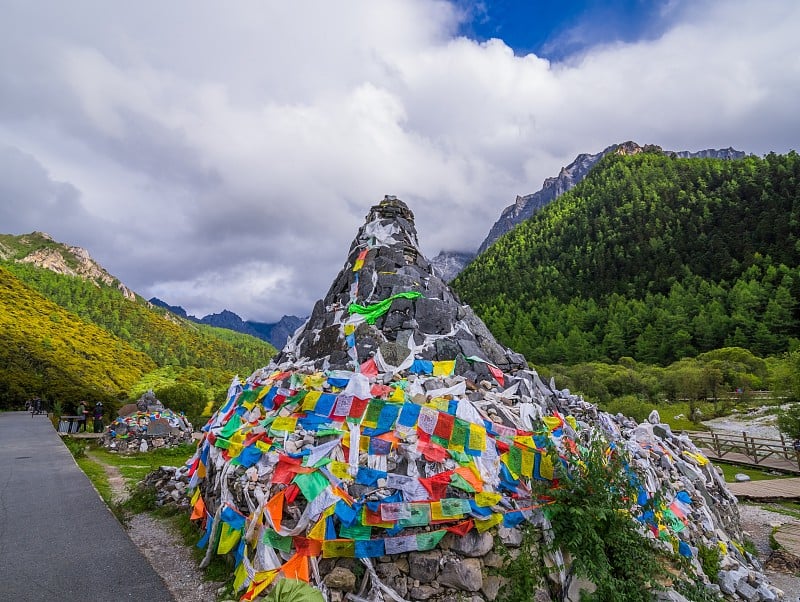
(119, 490)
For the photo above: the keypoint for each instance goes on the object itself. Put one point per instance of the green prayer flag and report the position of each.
(515, 459)
(428, 541)
(374, 410)
(376, 310)
(276, 541)
(459, 482)
(360, 532)
(311, 484)
(420, 516)
(231, 427)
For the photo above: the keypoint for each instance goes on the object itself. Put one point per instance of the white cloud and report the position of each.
(223, 156)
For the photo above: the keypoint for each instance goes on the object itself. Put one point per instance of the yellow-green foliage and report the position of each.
(166, 338)
(50, 352)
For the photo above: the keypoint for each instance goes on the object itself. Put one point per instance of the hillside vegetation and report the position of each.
(48, 351)
(650, 257)
(52, 362)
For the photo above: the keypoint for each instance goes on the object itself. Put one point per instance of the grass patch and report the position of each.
(135, 467)
(729, 471)
(97, 475)
(791, 509)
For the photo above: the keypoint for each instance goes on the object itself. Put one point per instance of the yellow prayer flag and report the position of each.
(398, 394)
(699, 458)
(527, 463)
(477, 437)
(339, 470)
(551, 422)
(487, 498)
(572, 422)
(240, 574)
(310, 400)
(318, 530)
(546, 469)
(349, 329)
(284, 423)
(363, 444)
(314, 381)
(234, 449)
(228, 538)
(485, 525)
(525, 440)
(444, 368)
(260, 583)
(195, 497)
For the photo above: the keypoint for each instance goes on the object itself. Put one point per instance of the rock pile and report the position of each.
(170, 484)
(394, 444)
(145, 425)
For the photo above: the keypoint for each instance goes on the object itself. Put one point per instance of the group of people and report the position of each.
(97, 417)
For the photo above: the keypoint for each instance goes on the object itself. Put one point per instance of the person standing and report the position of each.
(82, 415)
(98, 417)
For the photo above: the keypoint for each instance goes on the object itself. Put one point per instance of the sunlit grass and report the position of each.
(97, 475)
(729, 471)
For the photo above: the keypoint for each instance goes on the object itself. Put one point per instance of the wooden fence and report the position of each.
(757, 449)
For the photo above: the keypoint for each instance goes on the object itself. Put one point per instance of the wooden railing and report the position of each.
(756, 449)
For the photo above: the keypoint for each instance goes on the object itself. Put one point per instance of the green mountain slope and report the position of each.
(48, 351)
(651, 257)
(68, 278)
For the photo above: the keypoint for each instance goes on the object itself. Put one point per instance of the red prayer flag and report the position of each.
(437, 484)
(461, 529)
(497, 373)
(369, 368)
(444, 425)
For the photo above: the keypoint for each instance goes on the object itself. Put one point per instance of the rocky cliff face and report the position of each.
(526, 206)
(394, 445)
(68, 260)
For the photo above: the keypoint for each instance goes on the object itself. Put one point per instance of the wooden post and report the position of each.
(715, 443)
(751, 447)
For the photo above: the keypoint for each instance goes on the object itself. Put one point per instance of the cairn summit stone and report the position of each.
(392, 264)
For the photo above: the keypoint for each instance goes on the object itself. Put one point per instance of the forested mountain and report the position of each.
(55, 275)
(651, 256)
(451, 263)
(51, 353)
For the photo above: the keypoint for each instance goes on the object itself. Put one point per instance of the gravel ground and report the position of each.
(757, 423)
(757, 523)
(171, 559)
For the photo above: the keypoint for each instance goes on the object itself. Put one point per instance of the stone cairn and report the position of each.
(392, 444)
(145, 425)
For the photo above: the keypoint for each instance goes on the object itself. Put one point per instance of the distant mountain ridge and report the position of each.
(275, 333)
(451, 263)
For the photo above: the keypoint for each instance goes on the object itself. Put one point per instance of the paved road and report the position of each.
(58, 540)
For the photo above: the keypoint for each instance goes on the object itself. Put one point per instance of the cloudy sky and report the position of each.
(223, 154)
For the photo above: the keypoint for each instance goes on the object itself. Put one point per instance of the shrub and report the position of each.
(591, 521)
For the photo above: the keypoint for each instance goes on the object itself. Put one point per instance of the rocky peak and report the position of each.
(41, 250)
(568, 177)
(388, 305)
